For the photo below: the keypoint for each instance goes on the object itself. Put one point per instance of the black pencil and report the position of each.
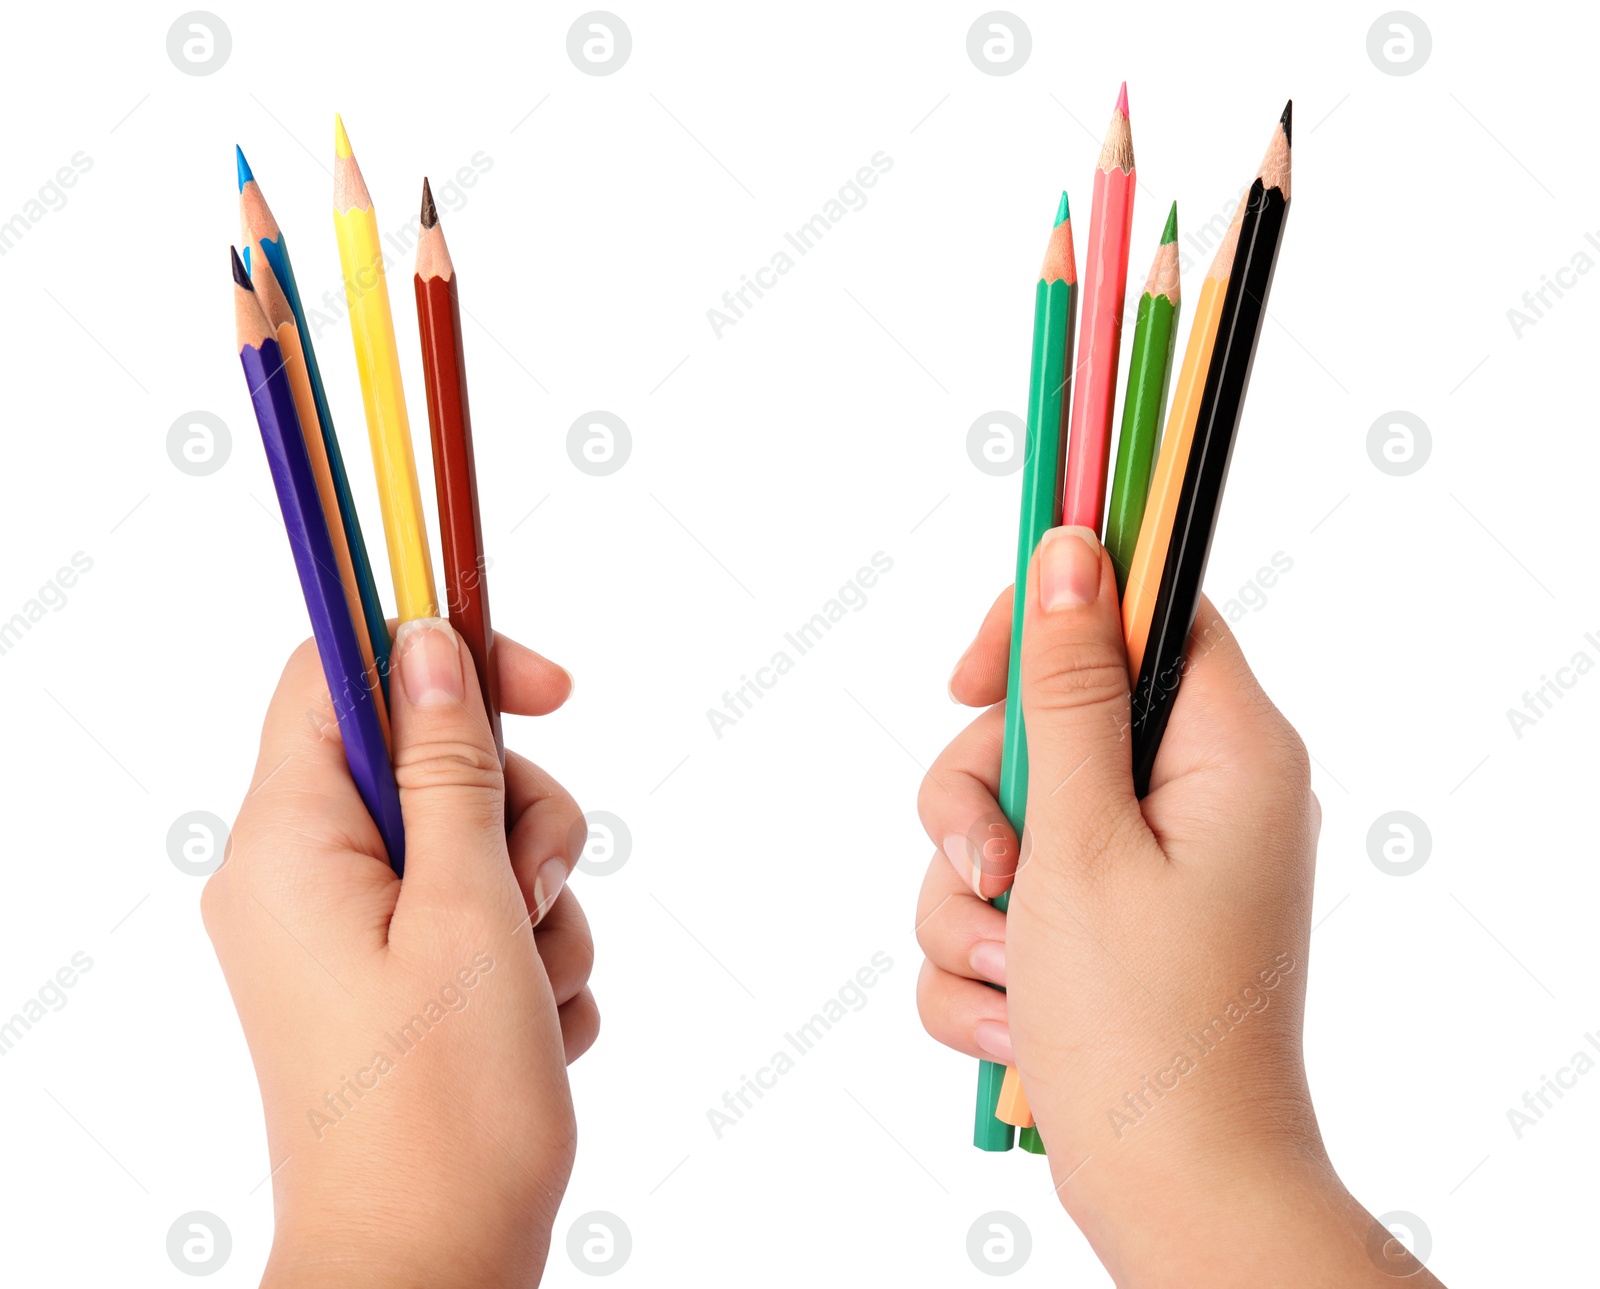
(1227, 382)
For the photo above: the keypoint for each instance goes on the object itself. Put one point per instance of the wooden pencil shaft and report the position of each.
(456, 481)
(276, 253)
(1044, 466)
(1205, 477)
(383, 398)
(1155, 336)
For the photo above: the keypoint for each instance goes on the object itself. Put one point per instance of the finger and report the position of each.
(300, 740)
(1075, 698)
(957, 806)
(1221, 712)
(963, 1014)
(547, 833)
(530, 684)
(452, 791)
(979, 678)
(301, 773)
(566, 947)
(580, 1025)
(959, 932)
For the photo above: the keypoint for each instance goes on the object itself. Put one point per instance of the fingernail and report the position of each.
(988, 959)
(430, 662)
(950, 685)
(959, 852)
(547, 884)
(995, 1039)
(1069, 568)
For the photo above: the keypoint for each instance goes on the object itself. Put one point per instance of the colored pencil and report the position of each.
(1105, 283)
(454, 473)
(309, 540)
(1161, 505)
(1227, 383)
(378, 363)
(1155, 337)
(269, 295)
(1049, 398)
(261, 229)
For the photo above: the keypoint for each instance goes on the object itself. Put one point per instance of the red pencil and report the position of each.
(450, 424)
(1104, 283)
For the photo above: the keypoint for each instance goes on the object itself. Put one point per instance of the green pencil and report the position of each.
(1044, 461)
(1155, 337)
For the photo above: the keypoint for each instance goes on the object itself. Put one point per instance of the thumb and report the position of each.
(452, 789)
(1075, 694)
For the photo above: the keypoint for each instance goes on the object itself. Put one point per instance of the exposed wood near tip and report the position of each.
(1222, 265)
(1060, 263)
(349, 188)
(1117, 151)
(249, 323)
(1163, 279)
(1274, 172)
(269, 293)
(433, 256)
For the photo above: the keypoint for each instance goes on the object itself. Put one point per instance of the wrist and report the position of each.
(419, 1236)
(363, 1254)
(1271, 1217)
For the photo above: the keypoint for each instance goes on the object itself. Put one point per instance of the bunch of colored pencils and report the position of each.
(308, 468)
(1164, 502)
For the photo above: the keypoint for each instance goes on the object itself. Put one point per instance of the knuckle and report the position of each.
(449, 763)
(1074, 674)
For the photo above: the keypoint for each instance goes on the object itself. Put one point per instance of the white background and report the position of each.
(768, 465)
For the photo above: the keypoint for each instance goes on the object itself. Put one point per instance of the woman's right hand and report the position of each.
(1155, 952)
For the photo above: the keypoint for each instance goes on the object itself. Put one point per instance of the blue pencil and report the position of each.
(314, 560)
(260, 226)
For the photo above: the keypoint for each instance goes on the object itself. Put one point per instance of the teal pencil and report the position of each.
(1044, 463)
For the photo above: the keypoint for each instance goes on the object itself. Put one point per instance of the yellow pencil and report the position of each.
(378, 362)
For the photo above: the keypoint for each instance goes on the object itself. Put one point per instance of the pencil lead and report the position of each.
(242, 166)
(1170, 232)
(1063, 212)
(430, 213)
(240, 277)
(1122, 99)
(341, 140)
(1287, 121)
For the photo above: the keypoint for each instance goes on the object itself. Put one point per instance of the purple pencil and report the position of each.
(314, 559)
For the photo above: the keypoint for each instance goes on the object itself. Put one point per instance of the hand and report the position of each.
(1155, 952)
(410, 1039)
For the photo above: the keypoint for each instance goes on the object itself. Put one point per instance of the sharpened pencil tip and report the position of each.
(242, 166)
(341, 140)
(240, 277)
(1122, 99)
(1287, 121)
(1170, 233)
(430, 212)
(1063, 211)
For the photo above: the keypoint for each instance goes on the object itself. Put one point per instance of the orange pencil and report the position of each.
(280, 317)
(1104, 284)
(1166, 484)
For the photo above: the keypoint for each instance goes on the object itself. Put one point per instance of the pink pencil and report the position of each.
(1103, 282)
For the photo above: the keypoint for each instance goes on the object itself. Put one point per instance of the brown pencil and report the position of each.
(450, 427)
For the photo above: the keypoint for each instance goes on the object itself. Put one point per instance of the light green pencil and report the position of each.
(1155, 338)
